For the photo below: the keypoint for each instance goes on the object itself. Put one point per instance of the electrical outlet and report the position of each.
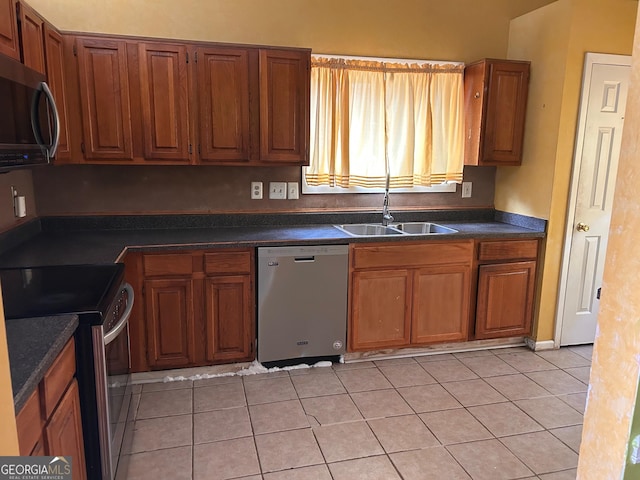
(466, 189)
(278, 190)
(293, 192)
(256, 190)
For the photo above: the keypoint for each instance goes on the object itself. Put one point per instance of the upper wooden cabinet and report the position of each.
(284, 106)
(105, 99)
(9, 43)
(191, 103)
(495, 106)
(56, 78)
(31, 27)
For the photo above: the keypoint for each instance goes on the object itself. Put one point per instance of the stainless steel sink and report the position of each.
(368, 230)
(406, 228)
(422, 228)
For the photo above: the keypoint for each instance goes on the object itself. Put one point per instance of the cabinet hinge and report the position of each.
(195, 57)
(190, 149)
(599, 292)
(82, 148)
(75, 50)
(199, 151)
(187, 57)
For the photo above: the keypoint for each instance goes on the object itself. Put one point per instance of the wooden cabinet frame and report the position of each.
(209, 295)
(388, 307)
(168, 102)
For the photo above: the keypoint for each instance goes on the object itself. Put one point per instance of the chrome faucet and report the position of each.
(386, 215)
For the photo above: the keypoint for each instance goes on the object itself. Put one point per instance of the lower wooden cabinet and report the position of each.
(195, 308)
(506, 286)
(409, 294)
(50, 422)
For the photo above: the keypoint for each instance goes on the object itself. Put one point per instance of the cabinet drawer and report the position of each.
(508, 250)
(58, 377)
(227, 262)
(411, 254)
(29, 423)
(167, 264)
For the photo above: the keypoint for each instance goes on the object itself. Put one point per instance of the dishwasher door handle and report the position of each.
(304, 259)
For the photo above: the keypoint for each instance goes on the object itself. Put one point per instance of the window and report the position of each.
(373, 117)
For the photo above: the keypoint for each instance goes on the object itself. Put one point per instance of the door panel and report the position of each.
(381, 309)
(170, 322)
(54, 53)
(223, 93)
(164, 96)
(284, 106)
(104, 94)
(597, 152)
(441, 304)
(505, 299)
(228, 317)
(32, 36)
(9, 29)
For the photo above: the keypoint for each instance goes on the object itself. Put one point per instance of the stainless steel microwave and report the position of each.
(29, 122)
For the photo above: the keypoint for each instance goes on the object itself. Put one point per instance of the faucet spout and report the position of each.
(386, 215)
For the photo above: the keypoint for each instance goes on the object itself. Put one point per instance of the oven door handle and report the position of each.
(115, 331)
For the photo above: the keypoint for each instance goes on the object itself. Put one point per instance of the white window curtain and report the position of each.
(370, 116)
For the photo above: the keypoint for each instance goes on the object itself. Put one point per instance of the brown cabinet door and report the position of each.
(164, 97)
(380, 309)
(104, 97)
(32, 37)
(495, 107)
(441, 304)
(223, 103)
(9, 44)
(505, 299)
(169, 322)
(228, 317)
(54, 54)
(505, 114)
(284, 106)
(64, 431)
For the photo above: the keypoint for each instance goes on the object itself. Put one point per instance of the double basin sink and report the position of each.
(406, 228)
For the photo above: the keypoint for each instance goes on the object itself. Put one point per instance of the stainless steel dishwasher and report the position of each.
(302, 302)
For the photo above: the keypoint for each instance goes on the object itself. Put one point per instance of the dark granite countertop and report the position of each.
(34, 343)
(91, 240)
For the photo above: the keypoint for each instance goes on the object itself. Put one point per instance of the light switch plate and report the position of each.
(293, 192)
(278, 190)
(466, 189)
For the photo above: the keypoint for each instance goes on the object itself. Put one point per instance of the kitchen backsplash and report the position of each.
(108, 189)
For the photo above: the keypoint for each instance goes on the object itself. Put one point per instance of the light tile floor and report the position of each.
(491, 414)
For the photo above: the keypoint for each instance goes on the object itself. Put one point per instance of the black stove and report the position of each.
(103, 303)
(87, 290)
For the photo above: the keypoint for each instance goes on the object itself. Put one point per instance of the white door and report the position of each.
(604, 97)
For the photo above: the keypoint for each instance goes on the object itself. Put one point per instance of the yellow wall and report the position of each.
(8, 437)
(615, 369)
(452, 30)
(563, 32)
